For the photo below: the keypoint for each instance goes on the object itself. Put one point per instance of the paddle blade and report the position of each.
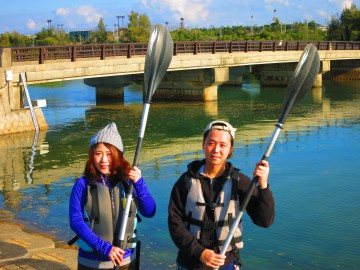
(302, 80)
(158, 58)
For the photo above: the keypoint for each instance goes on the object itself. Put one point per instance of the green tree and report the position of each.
(5, 40)
(350, 22)
(14, 39)
(99, 35)
(334, 29)
(266, 35)
(346, 27)
(50, 37)
(17, 40)
(181, 34)
(138, 28)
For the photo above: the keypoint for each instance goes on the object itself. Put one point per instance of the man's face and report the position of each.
(217, 147)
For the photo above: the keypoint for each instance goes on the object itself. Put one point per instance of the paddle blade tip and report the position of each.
(302, 80)
(158, 58)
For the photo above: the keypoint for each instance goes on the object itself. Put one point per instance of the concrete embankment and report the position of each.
(21, 249)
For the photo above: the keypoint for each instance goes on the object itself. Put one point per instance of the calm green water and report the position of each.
(314, 166)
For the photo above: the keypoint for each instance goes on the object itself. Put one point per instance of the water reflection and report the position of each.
(37, 172)
(172, 128)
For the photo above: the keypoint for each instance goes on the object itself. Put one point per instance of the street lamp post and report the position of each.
(276, 19)
(122, 21)
(122, 25)
(274, 15)
(252, 25)
(118, 17)
(49, 24)
(114, 31)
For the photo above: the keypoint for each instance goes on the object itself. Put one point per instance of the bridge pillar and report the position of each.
(325, 66)
(236, 74)
(109, 88)
(197, 84)
(318, 81)
(279, 74)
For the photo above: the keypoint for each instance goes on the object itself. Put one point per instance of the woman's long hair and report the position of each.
(120, 167)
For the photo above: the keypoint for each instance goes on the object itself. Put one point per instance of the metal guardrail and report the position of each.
(101, 51)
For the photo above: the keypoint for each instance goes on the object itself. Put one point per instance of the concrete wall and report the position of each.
(20, 120)
(14, 119)
(275, 74)
(343, 70)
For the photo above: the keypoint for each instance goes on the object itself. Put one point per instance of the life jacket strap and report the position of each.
(233, 240)
(235, 180)
(73, 240)
(95, 204)
(209, 243)
(208, 225)
(211, 205)
(133, 240)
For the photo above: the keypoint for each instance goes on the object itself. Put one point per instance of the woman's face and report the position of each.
(102, 159)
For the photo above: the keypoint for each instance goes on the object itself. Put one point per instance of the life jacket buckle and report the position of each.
(213, 205)
(209, 225)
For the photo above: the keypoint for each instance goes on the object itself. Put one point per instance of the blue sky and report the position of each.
(30, 16)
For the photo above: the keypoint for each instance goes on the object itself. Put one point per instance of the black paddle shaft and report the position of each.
(302, 80)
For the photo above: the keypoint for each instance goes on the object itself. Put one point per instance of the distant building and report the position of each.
(324, 28)
(80, 35)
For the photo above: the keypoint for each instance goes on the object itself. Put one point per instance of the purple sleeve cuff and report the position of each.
(147, 205)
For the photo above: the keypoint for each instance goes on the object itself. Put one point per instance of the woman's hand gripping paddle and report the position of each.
(302, 80)
(158, 57)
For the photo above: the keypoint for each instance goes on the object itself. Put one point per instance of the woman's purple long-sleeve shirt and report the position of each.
(78, 198)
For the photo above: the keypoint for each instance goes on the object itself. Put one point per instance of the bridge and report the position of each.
(197, 68)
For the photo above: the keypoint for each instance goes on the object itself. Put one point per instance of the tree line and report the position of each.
(345, 27)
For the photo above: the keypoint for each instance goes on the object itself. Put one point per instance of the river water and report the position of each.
(314, 166)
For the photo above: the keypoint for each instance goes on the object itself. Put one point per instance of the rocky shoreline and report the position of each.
(23, 248)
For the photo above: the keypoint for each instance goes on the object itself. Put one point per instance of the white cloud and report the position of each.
(347, 3)
(62, 11)
(31, 25)
(308, 17)
(89, 13)
(341, 3)
(322, 13)
(145, 3)
(281, 2)
(193, 11)
(75, 17)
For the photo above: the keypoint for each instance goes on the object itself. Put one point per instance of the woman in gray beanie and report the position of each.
(97, 201)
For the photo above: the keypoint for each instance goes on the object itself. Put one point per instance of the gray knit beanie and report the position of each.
(108, 134)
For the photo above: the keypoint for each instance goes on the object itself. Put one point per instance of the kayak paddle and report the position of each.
(301, 81)
(157, 60)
